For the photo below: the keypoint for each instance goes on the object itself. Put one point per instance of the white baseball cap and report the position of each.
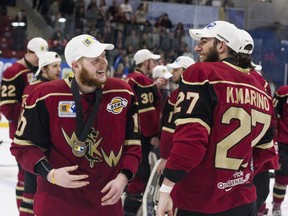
(84, 46)
(161, 71)
(143, 55)
(47, 58)
(37, 45)
(222, 30)
(181, 62)
(247, 40)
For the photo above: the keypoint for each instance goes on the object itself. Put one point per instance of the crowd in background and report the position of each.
(118, 24)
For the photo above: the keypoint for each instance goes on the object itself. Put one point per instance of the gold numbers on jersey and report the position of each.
(136, 123)
(191, 96)
(21, 125)
(236, 113)
(8, 91)
(147, 98)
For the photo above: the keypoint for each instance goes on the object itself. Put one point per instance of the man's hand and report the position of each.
(161, 166)
(63, 178)
(155, 141)
(165, 205)
(114, 190)
(161, 82)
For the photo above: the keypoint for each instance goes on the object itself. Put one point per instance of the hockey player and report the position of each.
(49, 69)
(14, 80)
(80, 135)
(168, 125)
(223, 131)
(281, 174)
(149, 99)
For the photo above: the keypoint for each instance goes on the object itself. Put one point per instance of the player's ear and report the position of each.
(221, 46)
(75, 64)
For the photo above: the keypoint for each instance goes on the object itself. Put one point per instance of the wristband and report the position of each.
(53, 176)
(165, 189)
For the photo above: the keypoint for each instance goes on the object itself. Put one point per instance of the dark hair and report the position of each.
(239, 59)
(244, 61)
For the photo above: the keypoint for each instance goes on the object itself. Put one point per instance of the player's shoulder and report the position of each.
(201, 71)
(139, 78)
(282, 90)
(115, 84)
(14, 70)
(46, 90)
(31, 86)
(53, 87)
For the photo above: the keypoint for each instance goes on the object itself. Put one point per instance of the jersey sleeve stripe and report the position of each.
(265, 145)
(132, 142)
(193, 120)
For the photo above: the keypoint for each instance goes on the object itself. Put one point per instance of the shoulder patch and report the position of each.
(67, 109)
(116, 105)
(31, 77)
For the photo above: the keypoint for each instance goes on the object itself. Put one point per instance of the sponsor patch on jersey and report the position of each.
(67, 109)
(30, 77)
(116, 105)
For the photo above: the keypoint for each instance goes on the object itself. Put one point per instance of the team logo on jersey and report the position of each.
(92, 150)
(116, 105)
(67, 109)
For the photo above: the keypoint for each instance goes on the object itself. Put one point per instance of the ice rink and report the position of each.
(8, 176)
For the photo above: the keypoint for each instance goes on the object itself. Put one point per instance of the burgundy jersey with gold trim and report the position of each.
(14, 80)
(28, 89)
(149, 100)
(281, 107)
(168, 125)
(48, 129)
(224, 131)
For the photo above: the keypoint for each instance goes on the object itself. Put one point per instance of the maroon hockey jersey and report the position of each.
(14, 80)
(274, 163)
(48, 129)
(28, 89)
(168, 125)
(281, 107)
(149, 100)
(224, 130)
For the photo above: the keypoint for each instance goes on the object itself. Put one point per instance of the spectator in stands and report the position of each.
(92, 15)
(79, 16)
(132, 40)
(126, 9)
(164, 21)
(141, 14)
(120, 71)
(154, 38)
(53, 13)
(58, 42)
(178, 36)
(112, 11)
